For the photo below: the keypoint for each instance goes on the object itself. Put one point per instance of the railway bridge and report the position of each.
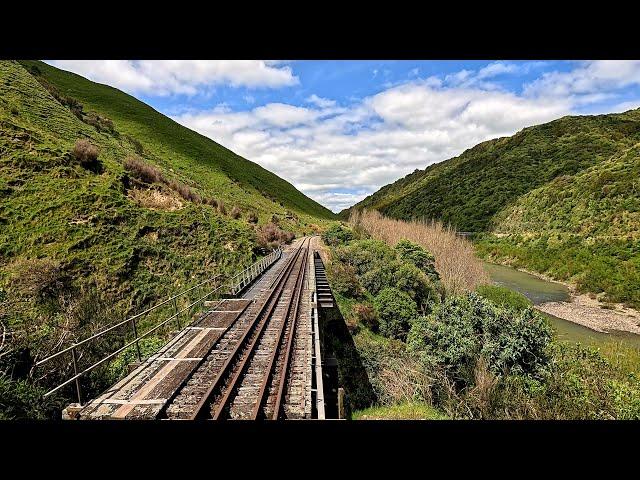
(251, 352)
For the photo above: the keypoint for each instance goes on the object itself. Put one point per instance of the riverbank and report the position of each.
(586, 310)
(591, 313)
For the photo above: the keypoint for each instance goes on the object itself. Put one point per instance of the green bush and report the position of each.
(21, 400)
(366, 255)
(464, 329)
(504, 297)
(367, 316)
(344, 280)
(418, 256)
(336, 234)
(380, 277)
(396, 311)
(579, 384)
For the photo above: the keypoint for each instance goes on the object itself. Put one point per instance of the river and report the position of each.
(539, 291)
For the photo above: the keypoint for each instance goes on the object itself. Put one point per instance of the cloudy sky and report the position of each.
(339, 130)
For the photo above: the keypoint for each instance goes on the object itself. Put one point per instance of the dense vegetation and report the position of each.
(583, 228)
(561, 198)
(480, 354)
(468, 190)
(108, 206)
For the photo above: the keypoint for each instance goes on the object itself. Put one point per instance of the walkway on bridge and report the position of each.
(153, 389)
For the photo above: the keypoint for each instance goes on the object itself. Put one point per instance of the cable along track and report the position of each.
(245, 375)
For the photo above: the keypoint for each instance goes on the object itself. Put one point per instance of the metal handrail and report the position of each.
(247, 276)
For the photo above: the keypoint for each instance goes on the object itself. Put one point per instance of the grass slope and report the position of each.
(53, 208)
(190, 154)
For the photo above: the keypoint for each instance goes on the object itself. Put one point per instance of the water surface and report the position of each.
(539, 291)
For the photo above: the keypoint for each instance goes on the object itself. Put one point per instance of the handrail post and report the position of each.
(75, 373)
(135, 336)
(175, 312)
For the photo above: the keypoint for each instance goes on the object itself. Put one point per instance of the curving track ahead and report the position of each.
(245, 375)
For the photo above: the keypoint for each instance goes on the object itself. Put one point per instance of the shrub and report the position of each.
(99, 122)
(185, 191)
(396, 311)
(211, 201)
(417, 285)
(366, 255)
(143, 171)
(87, 154)
(271, 236)
(463, 329)
(380, 277)
(418, 256)
(504, 297)
(344, 280)
(252, 218)
(404, 277)
(366, 315)
(336, 234)
(235, 213)
(38, 278)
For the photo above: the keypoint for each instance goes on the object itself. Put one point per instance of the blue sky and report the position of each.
(339, 130)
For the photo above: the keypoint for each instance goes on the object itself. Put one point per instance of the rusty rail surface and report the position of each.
(233, 285)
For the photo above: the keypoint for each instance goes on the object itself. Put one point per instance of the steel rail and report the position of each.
(294, 302)
(239, 371)
(199, 409)
(285, 367)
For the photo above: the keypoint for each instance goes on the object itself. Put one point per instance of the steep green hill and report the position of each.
(561, 198)
(85, 241)
(192, 155)
(468, 190)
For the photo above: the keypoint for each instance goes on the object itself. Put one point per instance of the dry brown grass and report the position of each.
(86, 153)
(142, 170)
(235, 213)
(459, 268)
(155, 199)
(271, 236)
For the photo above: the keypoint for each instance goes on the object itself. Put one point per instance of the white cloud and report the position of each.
(164, 77)
(320, 102)
(589, 78)
(339, 155)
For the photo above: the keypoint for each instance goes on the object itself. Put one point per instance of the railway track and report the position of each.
(246, 373)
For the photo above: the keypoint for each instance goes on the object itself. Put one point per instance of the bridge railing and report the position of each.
(232, 285)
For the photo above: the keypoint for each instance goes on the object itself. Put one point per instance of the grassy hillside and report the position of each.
(190, 154)
(584, 228)
(83, 243)
(469, 190)
(561, 198)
